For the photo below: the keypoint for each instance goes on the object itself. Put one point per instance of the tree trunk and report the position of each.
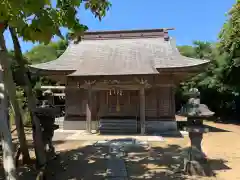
(11, 90)
(37, 133)
(5, 136)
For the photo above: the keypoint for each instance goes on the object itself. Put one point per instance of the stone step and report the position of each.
(117, 126)
(117, 121)
(121, 124)
(117, 129)
(114, 131)
(116, 178)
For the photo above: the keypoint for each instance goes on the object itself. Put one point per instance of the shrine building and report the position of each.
(121, 81)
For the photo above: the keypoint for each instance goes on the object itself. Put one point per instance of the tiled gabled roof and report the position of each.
(121, 53)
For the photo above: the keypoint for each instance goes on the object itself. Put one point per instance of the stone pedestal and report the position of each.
(196, 161)
(196, 136)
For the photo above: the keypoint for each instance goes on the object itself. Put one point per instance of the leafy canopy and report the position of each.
(40, 20)
(43, 53)
(230, 43)
(230, 34)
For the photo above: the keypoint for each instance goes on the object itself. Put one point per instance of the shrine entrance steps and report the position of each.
(117, 126)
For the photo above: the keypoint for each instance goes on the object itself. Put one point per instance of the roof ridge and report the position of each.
(125, 34)
(128, 31)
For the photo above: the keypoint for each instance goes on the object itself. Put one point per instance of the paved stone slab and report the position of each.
(61, 136)
(116, 178)
(81, 135)
(122, 142)
(116, 168)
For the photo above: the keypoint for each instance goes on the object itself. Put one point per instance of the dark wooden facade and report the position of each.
(159, 102)
(121, 98)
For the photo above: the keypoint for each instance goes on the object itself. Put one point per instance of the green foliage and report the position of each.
(187, 51)
(41, 54)
(230, 33)
(219, 84)
(39, 21)
(213, 81)
(230, 43)
(22, 103)
(44, 53)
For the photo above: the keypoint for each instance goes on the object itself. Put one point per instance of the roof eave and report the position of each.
(49, 72)
(108, 75)
(194, 68)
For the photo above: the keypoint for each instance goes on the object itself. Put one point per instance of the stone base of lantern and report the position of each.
(195, 161)
(197, 168)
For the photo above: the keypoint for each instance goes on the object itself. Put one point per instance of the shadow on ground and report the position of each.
(86, 163)
(182, 124)
(24, 172)
(226, 120)
(161, 163)
(90, 163)
(173, 134)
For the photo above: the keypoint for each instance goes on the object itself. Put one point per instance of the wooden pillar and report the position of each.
(142, 109)
(89, 110)
(173, 109)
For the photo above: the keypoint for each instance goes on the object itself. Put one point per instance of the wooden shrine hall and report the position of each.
(121, 81)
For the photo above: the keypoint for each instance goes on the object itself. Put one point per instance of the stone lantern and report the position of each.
(46, 114)
(195, 113)
(48, 94)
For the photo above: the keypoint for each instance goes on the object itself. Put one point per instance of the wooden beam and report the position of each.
(53, 87)
(102, 86)
(166, 85)
(59, 94)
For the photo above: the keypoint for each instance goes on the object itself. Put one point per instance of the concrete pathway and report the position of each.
(81, 135)
(117, 150)
(116, 169)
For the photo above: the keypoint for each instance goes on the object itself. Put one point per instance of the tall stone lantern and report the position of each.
(46, 114)
(195, 113)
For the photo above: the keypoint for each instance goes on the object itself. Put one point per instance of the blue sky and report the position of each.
(192, 19)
